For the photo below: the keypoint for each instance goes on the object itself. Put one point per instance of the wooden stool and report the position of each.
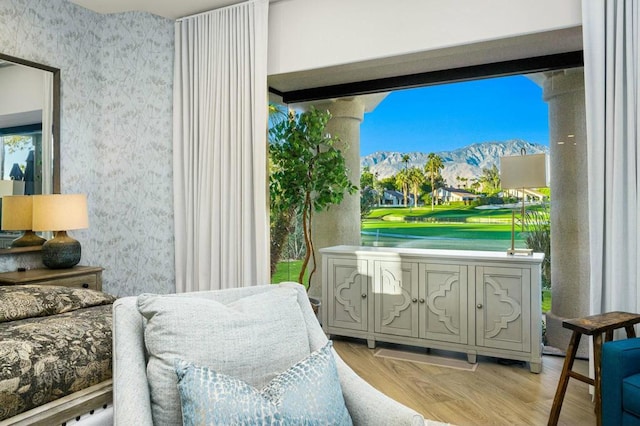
(594, 326)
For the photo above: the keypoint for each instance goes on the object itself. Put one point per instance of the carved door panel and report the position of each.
(348, 284)
(503, 308)
(395, 292)
(443, 303)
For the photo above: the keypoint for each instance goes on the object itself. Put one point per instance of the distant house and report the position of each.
(391, 197)
(530, 194)
(449, 194)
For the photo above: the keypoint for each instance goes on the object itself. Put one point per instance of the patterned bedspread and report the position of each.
(46, 358)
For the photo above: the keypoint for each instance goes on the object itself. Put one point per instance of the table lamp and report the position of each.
(60, 213)
(11, 187)
(521, 172)
(17, 216)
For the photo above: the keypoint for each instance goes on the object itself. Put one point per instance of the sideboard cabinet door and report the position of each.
(503, 316)
(348, 292)
(395, 292)
(443, 301)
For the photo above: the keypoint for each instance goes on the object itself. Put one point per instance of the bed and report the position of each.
(55, 353)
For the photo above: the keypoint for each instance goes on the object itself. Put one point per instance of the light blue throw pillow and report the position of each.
(308, 393)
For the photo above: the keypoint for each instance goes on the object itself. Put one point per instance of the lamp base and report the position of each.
(28, 239)
(61, 251)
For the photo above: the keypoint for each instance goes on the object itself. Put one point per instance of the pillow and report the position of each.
(253, 338)
(308, 393)
(36, 300)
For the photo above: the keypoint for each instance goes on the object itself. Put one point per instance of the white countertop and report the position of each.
(469, 255)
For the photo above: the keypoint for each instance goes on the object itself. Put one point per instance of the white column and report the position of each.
(564, 92)
(341, 223)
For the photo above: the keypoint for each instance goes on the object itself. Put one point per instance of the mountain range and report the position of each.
(466, 162)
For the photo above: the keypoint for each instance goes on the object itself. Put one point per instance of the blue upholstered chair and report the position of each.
(621, 382)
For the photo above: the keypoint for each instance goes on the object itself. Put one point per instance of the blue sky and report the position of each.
(450, 116)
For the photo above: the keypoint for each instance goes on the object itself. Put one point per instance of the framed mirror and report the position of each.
(29, 133)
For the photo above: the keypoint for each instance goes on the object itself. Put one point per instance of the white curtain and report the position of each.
(612, 83)
(220, 148)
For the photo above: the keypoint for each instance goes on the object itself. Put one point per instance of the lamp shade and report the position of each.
(11, 187)
(16, 212)
(60, 212)
(523, 171)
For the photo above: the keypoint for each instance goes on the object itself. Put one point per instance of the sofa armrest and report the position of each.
(620, 359)
(367, 405)
(131, 400)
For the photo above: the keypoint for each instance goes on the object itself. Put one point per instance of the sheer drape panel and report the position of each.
(612, 81)
(220, 148)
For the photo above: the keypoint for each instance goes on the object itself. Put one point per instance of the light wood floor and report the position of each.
(494, 394)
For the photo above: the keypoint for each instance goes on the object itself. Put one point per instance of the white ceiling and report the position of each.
(171, 9)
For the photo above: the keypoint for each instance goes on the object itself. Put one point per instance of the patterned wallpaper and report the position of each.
(116, 132)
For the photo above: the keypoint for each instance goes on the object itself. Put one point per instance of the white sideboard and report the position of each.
(476, 302)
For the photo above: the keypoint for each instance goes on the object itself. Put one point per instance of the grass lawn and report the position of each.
(461, 230)
(464, 226)
(546, 300)
(288, 271)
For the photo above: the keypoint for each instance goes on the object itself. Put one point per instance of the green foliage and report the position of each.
(16, 143)
(416, 179)
(403, 181)
(432, 169)
(366, 178)
(490, 180)
(388, 183)
(308, 173)
(368, 200)
(538, 238)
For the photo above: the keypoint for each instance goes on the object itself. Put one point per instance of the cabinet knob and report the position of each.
(414, 300)
(421, 300)
(364, 296)
(85, 285)
(479, 305)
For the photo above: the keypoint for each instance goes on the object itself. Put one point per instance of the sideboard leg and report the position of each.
(535, 367)
(371, 343)
(471, 357)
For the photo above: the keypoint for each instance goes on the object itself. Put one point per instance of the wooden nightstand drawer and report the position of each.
(78, 276)
(84, 281)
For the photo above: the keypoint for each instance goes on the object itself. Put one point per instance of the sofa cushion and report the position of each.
(253, 338)
(631, 395)
(307, 393)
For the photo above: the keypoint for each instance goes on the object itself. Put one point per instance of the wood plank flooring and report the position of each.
(495, 394)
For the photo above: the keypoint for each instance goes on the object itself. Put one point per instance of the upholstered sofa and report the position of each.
(137, 337)
(621, 382)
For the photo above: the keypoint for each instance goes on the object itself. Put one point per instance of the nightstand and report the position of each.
(78, 276)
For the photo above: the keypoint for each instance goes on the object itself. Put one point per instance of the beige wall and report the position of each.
(311, 34)
(21, 89)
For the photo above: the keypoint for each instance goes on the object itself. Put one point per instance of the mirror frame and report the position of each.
(55, 131)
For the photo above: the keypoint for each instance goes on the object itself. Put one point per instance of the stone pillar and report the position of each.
(341, 223)
(564, 92)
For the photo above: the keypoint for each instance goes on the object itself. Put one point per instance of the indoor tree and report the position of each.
(308, 173)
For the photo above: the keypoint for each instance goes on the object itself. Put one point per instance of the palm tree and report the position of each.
(432, 169)
(405, 160)
(490, 180)
(416, 179)
(402, 181)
